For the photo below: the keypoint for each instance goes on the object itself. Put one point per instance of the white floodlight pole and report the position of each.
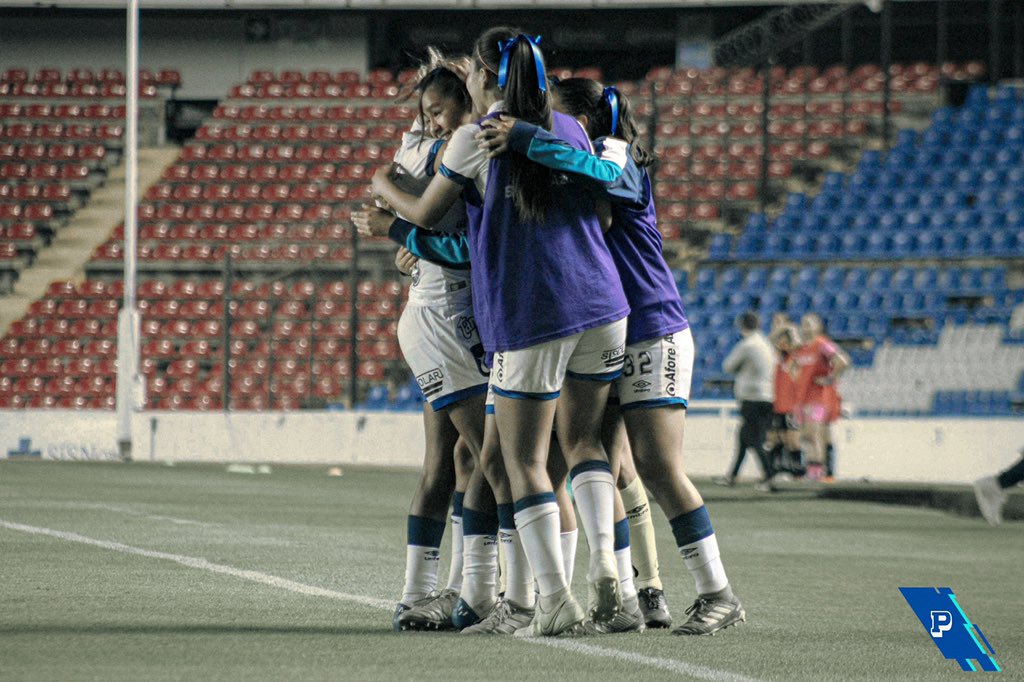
(130, 390)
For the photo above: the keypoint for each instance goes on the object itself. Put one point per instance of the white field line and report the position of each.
(117, 509)
(666, 664)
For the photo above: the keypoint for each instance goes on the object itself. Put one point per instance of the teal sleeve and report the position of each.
(621, 179)
(449, 250)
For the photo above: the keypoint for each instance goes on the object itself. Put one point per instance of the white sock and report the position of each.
(455, 570)
(624, 562)
(594, 491)
(568, 541)
(479, 572)
(538, 527)
(420, 572)
(704, 563)
(518, 578)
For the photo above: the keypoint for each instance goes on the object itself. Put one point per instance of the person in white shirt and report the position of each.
(752, 362)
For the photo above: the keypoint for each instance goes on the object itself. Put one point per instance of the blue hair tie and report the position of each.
(505, 46)
(611, 95)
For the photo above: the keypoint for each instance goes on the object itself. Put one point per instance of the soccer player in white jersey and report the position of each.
(438, 337)
(537, 257)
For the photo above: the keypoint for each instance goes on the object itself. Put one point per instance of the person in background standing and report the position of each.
(752, 362)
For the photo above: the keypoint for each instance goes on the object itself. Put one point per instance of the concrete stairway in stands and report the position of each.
(89, 228)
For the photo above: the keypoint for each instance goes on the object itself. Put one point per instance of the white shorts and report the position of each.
(656, 372)
(444, 351)
(537, 372)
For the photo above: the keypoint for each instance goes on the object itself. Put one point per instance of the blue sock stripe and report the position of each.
(507, 516)
(424, 532)
(692, 526)
(478, 523)
(621, 534)
(589, 465)
(457, 501)
(533, 500)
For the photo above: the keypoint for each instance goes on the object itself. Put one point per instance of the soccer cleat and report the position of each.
(563, 617)
(433, 613)
(726, 481)
(463, 615)
(603, 590)
(708, 616)
(624, 621)
(655, 608)
(399, 610)
(504, 619)
(991, 499)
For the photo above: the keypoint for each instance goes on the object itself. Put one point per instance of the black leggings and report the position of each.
(1013, 475)
(757, 418)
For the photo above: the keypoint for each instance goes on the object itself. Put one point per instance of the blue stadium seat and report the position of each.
(750, 245)
(903, 245)
(681, 277)
(827, 246)
(755, 279)
(852, 244)
(903, 278)
(879, 279)
(856, 278)
(376, 398)
(780, 279)
(832, 277)
(730, 279)
(719, 248)
(926, 278)
(952, 244)
(705, 279)
(847, 299)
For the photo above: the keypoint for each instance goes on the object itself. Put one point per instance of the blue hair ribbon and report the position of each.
(611, 95)
(506, 51)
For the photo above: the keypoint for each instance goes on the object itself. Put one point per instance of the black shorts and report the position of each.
(783, 421)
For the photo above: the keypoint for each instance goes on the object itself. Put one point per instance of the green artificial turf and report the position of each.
(818, 578)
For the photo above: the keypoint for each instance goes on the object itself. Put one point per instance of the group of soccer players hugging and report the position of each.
(548, 337)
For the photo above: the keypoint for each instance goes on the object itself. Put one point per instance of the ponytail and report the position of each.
(608, 113)
(515, 62)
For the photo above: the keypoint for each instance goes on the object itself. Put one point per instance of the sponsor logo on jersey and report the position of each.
(466, 326)
(670, 371)
(614, 357)
(431, 382)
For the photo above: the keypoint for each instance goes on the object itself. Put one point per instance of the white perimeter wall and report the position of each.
(917, 450)
(211, 53)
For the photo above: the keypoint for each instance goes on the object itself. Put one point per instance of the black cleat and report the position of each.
(708, 616)
(654, 607)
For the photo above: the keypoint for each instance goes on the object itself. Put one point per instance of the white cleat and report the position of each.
(504, 619)
(603, 589)
(558, 615)
(991, 498)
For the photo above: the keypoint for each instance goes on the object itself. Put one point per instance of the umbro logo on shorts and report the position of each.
(614, 357)
(642, 386)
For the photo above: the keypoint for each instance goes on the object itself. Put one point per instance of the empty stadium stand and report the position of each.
(270, 181)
